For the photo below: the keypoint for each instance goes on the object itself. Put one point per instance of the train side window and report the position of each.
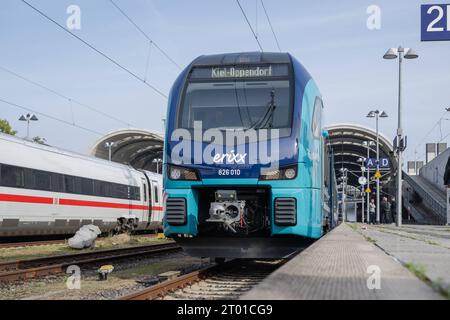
(12, 176)
(100, 188)
(135, 193)
(69, 184)
(145, 192)
(57, 182)
(155, 188)
(28, 178)
(120, 191)
(87, 186)
(42, 180)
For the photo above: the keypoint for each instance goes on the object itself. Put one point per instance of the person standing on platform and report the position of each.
(387, 211)
(383, 210)
(394, 210)
(372, 208)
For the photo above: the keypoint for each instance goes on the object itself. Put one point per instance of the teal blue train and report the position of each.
(246, 169)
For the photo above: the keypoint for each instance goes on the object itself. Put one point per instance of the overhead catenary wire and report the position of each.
(63, 96)
(426, 136)
(147, 62)
(144, 34)
(250, 26)
(270, 24)
(95, 49)
(423, 154)
(51, 117)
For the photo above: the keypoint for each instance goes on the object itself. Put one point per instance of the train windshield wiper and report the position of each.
(267, 120)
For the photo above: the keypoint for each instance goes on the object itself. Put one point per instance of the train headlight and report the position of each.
(283, 173)
(175, 174)
(181, 173)
(290, 173)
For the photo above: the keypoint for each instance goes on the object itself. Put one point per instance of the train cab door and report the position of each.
(147, 201)
(157, 214)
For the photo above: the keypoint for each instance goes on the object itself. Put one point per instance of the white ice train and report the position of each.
(45, 190)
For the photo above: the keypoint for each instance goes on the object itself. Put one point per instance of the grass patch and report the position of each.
(370, 239)
(442, 287)
(389, 231)
(31, 252)
(418, 270)
(438, 285)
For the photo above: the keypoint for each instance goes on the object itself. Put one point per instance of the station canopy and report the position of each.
(141, 149)
(348, 144)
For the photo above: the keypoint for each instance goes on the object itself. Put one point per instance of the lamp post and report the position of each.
(109, 145)
(157, 161)
(368, 144)
(363, 169)
(28, 117)
(344, 188)
(378, 114)
(391, 54)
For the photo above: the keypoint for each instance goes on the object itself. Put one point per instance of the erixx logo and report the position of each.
(230, 157)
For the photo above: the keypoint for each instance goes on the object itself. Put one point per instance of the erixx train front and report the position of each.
(243, 156)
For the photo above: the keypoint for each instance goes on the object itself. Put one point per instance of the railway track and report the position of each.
(30, 243)
(225, 281)
(21, 270)
(20, 244)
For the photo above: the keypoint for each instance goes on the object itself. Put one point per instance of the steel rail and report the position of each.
(28, 269)
(168, 286)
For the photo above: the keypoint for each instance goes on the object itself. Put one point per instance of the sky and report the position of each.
(330, 38)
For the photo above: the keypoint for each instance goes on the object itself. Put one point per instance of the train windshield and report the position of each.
(237, 104)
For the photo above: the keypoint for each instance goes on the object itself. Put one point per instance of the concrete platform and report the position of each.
(338, 266)
(424, 248)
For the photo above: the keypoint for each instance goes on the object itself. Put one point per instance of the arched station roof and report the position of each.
(347, 142)
(135, 147)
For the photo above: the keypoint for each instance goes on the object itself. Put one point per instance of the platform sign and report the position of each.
(435, 22)
(377, 174)
(372, 163)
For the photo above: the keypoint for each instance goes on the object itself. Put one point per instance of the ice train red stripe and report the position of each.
(74, 202)
(26, 199)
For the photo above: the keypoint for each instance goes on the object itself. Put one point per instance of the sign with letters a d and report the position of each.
(435, 22)
(372, 163)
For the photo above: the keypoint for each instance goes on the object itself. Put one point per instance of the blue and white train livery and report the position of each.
(246, 166)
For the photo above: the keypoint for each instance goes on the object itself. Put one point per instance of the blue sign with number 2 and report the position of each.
(435, 21)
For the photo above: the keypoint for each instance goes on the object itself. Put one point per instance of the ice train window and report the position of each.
(69, 184)
(156, 194)
(42, 180)
(12, 176)
(87, 186)
(135, 193)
